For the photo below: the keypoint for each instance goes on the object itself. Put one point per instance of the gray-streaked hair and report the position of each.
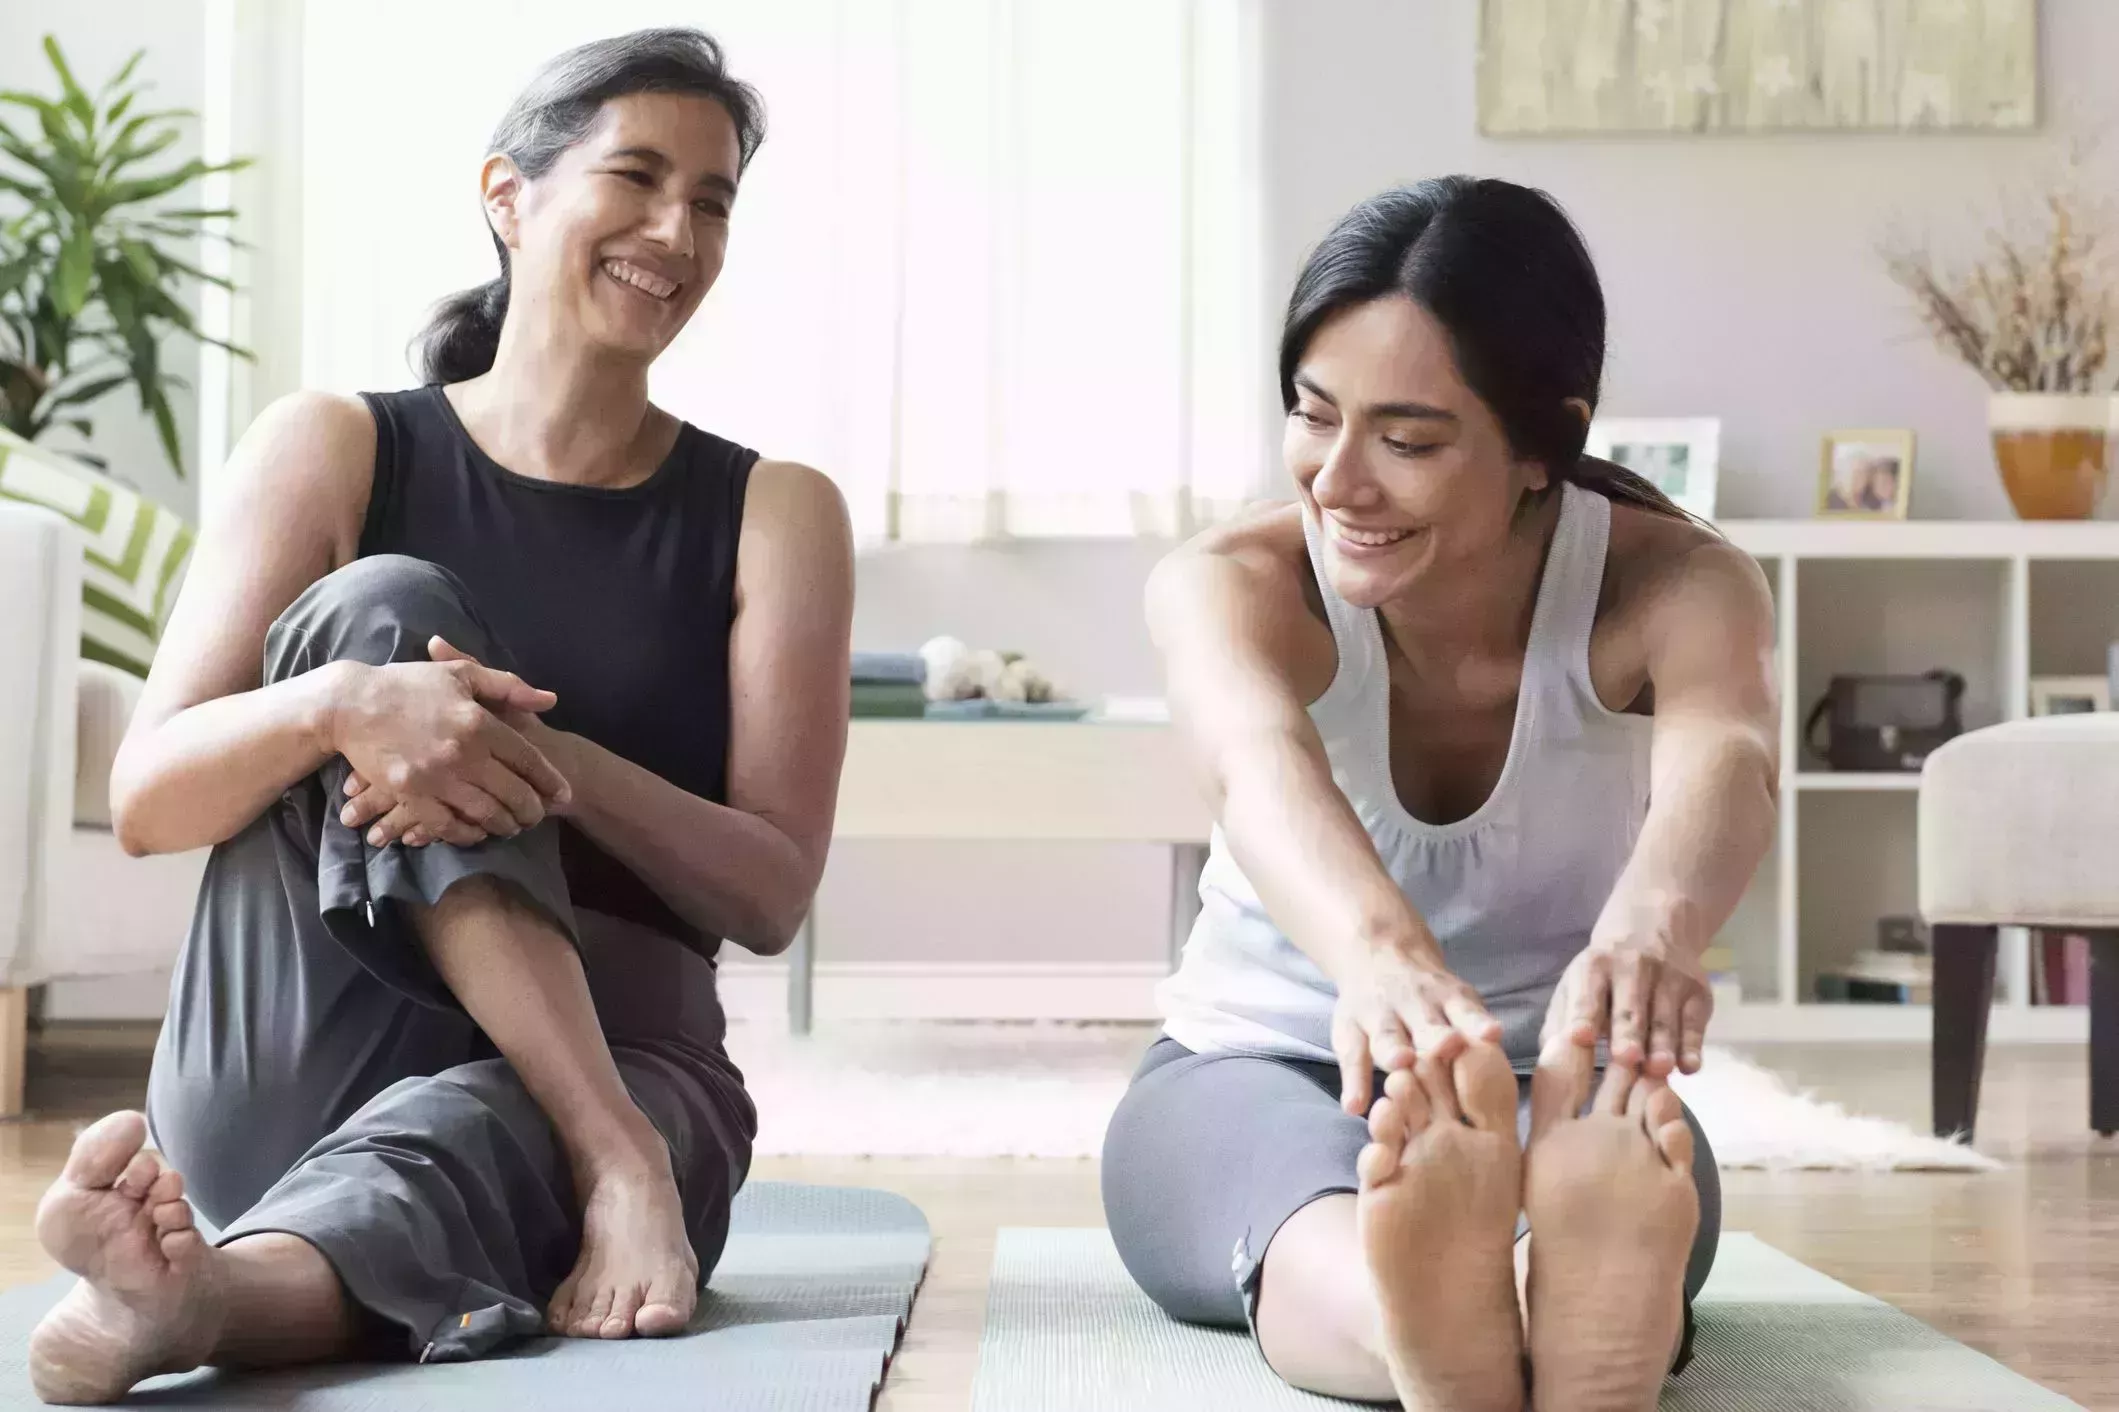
(556, 111)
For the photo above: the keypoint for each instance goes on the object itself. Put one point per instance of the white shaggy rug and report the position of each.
(878, 1089)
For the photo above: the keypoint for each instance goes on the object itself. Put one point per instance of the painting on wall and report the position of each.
(1635, 66)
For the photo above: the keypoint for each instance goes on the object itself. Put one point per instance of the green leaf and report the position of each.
(166, 424)
(143, 258)
(76, 100)
(117, 80)
(76, 264)
(86, 392)
(124, 154)
(118, 109)
(126, 193)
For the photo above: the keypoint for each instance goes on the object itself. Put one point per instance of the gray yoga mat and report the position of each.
(802, 1315)
(1067, 1330)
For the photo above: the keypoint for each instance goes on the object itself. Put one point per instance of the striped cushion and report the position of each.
(136, 549)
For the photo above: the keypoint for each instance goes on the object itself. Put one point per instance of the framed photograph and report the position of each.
(1866, 474)
(1680, 456)
(2069, 696)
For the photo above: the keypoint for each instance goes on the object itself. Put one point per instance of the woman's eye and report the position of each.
(1407, 448)
(1307, 417)
(711, 208)
(638, 178)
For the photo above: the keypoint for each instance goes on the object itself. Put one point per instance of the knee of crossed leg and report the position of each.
(380, 609)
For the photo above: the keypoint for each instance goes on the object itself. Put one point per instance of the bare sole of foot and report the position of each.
(149, 1300)
(1437, 1209)
(1612, 1215)
(637, 1273)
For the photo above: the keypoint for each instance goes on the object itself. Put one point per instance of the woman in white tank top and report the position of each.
(1490, 729)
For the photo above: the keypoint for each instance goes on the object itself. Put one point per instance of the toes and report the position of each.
(560, 1313)
(1437, 1082)
(103, 1150)
(588, 1320)
(1387, 1123)
(1618, 1087)
(171, 1216)
(182, 1247)
(669, 1304)
(1486, 1088)
(624, 1309)
(139, 1175)
(1674, 1140)
(167, 1187)
(1377, 1164)
(1560, 1084)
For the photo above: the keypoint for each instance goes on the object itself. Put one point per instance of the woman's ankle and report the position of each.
(626, 1150)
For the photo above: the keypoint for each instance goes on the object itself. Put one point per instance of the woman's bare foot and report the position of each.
(149, 1300)
(1437, 1208)
(637, 1273)
(1612, 1214)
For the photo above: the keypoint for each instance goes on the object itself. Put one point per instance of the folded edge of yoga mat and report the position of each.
(803, 1314)
(1067, 1330)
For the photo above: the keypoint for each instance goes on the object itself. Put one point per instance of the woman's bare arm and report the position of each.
(748, 870)
(209, 749)
(1231, 620)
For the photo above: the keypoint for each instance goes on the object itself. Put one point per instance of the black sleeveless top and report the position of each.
(619, 600)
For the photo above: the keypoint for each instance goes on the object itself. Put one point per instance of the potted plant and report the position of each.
(91, 261)
(2034, 316)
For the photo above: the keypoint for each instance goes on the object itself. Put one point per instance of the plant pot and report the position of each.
(2054, 450)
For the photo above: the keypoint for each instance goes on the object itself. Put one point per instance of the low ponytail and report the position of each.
(557, 110)
(463, 333)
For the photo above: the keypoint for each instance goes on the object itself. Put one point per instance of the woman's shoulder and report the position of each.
(1249, 576)
(1650, 551)
(1663, 573)
(310, 443)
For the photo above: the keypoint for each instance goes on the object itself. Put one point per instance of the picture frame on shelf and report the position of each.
(2069, 696)
(1680, 456)
(1866, 474)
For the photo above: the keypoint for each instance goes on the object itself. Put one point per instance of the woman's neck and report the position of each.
(555, 411)
(1481, 612)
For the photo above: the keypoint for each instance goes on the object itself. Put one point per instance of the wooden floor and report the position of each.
(2022, 1264)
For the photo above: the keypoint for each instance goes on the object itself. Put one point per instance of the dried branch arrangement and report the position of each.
(2036, 313)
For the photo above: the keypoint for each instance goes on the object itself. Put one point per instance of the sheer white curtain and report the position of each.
(995, 269)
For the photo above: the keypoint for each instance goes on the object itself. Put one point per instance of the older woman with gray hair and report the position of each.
(503, 702)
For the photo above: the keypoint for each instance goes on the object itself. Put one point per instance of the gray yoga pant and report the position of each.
(1208, 1154)
(315, 1076)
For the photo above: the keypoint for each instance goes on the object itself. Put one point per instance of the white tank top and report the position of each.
(1511, 891)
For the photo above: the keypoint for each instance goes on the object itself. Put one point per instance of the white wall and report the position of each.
(97, 37)
(1742, 284)
(1740, 271)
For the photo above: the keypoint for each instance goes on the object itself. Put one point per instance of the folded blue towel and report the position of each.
(889, 667)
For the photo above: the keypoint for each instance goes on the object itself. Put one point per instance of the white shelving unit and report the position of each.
(1996, 602)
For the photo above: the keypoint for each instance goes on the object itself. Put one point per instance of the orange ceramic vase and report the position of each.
(2055, 451)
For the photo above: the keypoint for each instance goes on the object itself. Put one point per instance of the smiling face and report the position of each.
(619, 240)
(1407, 472)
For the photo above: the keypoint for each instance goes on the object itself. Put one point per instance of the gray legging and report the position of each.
(316, 1077)
(1208, 1154)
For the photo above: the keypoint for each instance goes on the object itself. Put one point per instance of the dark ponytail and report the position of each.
(1504, 271)
(556, 111)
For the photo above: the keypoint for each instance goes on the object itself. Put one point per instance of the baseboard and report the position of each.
(915, 990)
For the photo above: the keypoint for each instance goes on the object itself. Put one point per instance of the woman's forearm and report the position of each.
(1714, 802)
(730, 873)
(200, 776)
(1312, 863)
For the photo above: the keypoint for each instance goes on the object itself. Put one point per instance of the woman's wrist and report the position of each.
(328, 691)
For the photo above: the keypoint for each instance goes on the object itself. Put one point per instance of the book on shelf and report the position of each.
(2060, 968)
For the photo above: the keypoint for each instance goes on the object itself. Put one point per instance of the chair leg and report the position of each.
(14, 1048)
(2104, 1031)
(1964, 993)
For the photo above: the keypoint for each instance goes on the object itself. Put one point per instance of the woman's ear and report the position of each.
(1580, 407)
(501, 185)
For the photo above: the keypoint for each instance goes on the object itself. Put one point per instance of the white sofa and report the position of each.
(72, 905)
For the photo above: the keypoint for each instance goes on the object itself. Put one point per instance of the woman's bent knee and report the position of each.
(376, 610)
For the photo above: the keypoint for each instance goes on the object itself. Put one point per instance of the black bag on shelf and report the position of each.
(1885, 722)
